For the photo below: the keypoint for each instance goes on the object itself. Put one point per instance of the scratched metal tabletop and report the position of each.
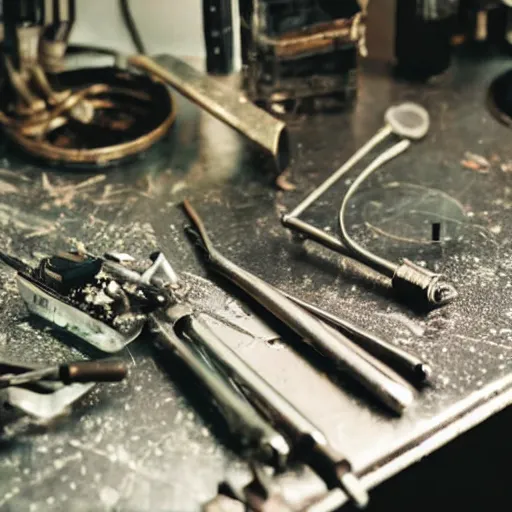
(150, 443)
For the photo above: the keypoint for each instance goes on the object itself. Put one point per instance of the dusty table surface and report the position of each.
(147, 443)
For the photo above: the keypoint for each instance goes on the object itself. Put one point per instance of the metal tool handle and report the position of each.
(256, 434)
(228, 105)
(312, 330)
(93, 371)
(308, 441)
(70, 373)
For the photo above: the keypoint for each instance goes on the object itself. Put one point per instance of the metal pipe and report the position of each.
(310, 232)
(229, 106)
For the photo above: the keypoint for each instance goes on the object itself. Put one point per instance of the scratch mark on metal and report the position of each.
(41, 477)
(416, 329)
(482, 340)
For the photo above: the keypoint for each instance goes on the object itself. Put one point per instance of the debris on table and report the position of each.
(283, 182)
(506, 166)
(475, 162)
(7, 188)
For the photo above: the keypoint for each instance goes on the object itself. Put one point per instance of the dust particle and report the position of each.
(109, 496)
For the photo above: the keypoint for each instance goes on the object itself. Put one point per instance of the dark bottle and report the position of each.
(424, 30)
(485, 22)
(218, 36)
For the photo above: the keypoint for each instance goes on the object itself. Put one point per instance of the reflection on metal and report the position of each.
(70, 318)
(228, 105)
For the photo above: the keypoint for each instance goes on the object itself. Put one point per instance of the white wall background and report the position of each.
(176, 26)
(173, 26)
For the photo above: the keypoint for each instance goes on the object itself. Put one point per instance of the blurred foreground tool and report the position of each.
(47, 392)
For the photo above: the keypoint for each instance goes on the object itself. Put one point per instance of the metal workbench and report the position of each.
(146, 444)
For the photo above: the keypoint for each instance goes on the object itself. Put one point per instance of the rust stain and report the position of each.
(317, 37)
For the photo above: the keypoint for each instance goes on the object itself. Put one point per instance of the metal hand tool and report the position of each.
(178, 321)
(47, 392)
(388, 391)
(69, 373)
(54, 291)
(369, 346)
(404, 362)
(255, 434)
(309, 443)
(254, 410)
(411, 122)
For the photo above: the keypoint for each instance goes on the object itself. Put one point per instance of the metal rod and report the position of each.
(225, 104)
(319, 236)
(313, 233)
(69, 373)
(409, 364)
(384, 132)
(312, 330)
(309, 442)
(242, 419)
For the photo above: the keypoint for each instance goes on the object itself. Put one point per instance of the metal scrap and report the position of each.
(475, 162)
(507, 166)
(64, 195)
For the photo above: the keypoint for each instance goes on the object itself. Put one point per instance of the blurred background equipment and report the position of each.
(218, 36)
(424, 29)
(296, 51)
(91, 116)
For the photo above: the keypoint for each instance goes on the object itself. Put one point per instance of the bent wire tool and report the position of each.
(106, 301)
(408, 121)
